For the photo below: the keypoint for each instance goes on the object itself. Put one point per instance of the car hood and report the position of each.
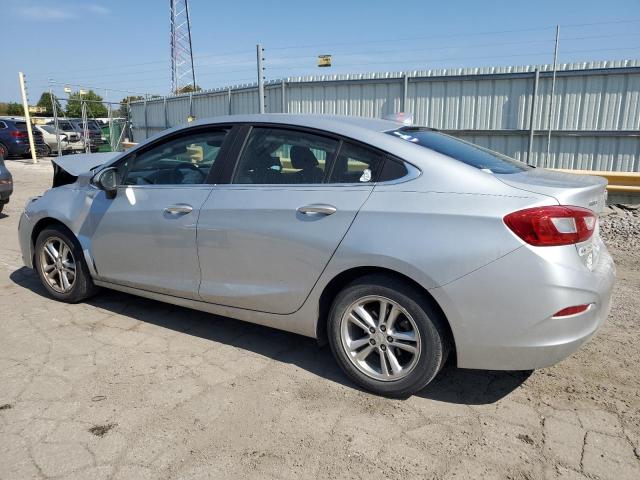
(67, 169)
(78, 164)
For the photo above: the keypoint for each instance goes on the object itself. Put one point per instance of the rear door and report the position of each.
(265, 238)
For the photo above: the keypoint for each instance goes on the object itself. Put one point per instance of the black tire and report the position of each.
(2, 207)
(47, 151)
(4, 151)
(82, 286)
(434, 341)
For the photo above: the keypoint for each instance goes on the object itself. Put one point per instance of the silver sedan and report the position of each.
(398, 245)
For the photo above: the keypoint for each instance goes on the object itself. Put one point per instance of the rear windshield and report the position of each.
(21, 125)
(474, 155)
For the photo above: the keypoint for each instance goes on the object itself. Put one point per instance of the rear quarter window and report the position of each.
(465, 152)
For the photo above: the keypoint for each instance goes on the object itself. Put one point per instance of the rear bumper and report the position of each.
(501, 314)
(22, 148)
(5, 193)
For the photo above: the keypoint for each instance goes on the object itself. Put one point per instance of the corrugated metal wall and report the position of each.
(595, 126)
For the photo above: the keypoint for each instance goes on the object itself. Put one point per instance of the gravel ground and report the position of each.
(126, 388)
(620, 227)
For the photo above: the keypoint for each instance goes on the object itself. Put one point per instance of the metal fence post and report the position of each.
(551, 102)
(230, 109)
(405, 92)
(283, 95)
(166, 116)
(54, 107)
(146, 131)
(534, 104)
(260, 51)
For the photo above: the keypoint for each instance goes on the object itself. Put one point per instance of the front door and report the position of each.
(145, 237)
(264, 239)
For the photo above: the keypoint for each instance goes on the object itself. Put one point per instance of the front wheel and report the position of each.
(386, 337)
(61, 266)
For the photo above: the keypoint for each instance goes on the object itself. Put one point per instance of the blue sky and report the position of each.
(124, 45)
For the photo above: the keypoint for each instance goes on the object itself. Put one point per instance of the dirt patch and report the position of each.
(101, 430)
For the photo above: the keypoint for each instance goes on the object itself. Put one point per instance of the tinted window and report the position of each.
(185, 160)
(280, 156)
(356, 164)
(3, 125)
(392, 170)
(465, 152)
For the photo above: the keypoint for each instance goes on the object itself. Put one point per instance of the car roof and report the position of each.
(337, 123)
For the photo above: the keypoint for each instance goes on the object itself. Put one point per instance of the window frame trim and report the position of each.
(209, 179)
(245, 128)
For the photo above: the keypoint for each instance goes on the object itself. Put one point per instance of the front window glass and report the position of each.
(185, 160)
(469, 153)
(280, 156)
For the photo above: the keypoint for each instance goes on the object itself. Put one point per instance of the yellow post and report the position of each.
(25, 105)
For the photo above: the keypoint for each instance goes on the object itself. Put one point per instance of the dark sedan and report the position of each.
(6, 184)
(14, 138)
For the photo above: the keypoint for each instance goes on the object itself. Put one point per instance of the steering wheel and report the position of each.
(190, 166)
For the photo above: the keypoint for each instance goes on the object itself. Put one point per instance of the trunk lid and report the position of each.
(567, 188)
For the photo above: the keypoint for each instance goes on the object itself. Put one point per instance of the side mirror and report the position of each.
(108, 181)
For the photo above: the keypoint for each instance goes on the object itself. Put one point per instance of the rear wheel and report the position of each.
(4, 151)
(61, 266)
(47, 151)
(386, 337)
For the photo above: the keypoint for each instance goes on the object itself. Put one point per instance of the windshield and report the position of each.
(469, 153)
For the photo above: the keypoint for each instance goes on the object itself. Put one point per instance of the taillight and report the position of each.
(18, 134)
(552, 225)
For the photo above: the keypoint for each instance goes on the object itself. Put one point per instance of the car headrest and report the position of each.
(302, 158)
(262, 161)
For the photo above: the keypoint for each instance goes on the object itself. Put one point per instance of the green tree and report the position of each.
(45, 101)
(94, 109)
(123, 104)
(188, 89)
(14, 108)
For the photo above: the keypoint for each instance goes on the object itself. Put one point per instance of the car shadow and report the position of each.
(3, 215)
(452, 385)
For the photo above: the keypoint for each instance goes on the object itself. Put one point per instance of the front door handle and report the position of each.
(318, 208)
(179, 208)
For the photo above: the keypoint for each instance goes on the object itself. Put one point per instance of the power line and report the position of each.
(444, 59)
(453, 35)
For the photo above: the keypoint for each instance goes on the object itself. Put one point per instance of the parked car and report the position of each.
(95, 131)
(14, 138)
(51, 140)
(75, 126)
(6, 184)
(398, 245)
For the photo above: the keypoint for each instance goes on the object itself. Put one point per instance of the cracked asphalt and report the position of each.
(126, 388)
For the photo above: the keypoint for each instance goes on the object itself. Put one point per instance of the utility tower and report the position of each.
(182, 71)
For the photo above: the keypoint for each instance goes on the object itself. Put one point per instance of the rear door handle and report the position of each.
(179, 208)
(318, 208)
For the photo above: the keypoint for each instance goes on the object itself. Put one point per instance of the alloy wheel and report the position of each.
(58, 265)
(380, 338)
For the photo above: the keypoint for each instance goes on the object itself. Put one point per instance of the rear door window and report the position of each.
(283, 156)
(356, 164)
(466, 152)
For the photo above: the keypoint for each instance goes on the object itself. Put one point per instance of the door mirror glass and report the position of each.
(107, 180)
